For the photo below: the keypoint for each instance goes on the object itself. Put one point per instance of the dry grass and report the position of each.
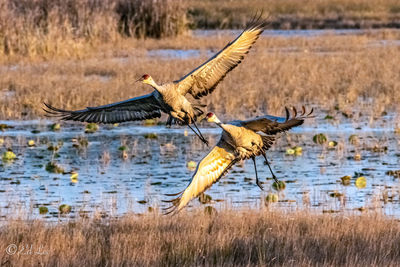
(42, 28)
(255, 238)
(297, 13)
(352, 73)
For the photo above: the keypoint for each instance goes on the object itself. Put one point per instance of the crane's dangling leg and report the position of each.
(270, 169)
(255, 168)
(204, 139)
(198, 133)
(201, 137)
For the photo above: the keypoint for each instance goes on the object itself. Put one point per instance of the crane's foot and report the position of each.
(199, 135)
(257, 180)
(259, 184)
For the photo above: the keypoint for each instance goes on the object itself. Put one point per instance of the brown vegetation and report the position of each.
(262, 238)
(352, 73)
(297, 14)
(46, 28)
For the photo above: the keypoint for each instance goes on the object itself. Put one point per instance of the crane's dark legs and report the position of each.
(255, 168)
(198, 133)
(202, 137)
(199, 136)
(270, 169)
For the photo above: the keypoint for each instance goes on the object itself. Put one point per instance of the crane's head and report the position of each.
(211, 117)
(146, 79)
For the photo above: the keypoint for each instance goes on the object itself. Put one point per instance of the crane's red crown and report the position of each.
(210, 114)
(145, 77)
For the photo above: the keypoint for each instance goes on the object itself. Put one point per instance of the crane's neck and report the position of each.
(157, 87)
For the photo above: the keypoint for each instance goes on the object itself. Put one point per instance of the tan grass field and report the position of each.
(243, 238)
(300, 14)
(351, 73)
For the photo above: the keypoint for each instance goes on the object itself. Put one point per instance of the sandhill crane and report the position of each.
(240, 140)
(170, 97)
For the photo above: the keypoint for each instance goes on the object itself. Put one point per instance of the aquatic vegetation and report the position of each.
(336, 194)
(345, 180)
(3, 127)
(290, 151)
(43, 210)
(361, 182)
(332, 144)
(8, 156)
(150, 122)
(357, 157)
(80, 142)
(320, 139)
(354, 139)
(395, 174)
(210, 210)
(279, 186)
(191, 165)
(74, 177)
(91, 128)
(54, 167)
(1, 141)
(55, 127)
(150, 136)
(65, 209)
(296, 150)
(204, 198)
(271, 197)
(31, 143)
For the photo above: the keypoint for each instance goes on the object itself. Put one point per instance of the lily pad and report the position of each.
(320, 139)
(191, 165)
(54, 167)
(271, 197)
(345, 180)
(55, 127)
(8, 156)
(361, 182)
(43, 210)
(279, 186)
(91, 128)
(64, 209)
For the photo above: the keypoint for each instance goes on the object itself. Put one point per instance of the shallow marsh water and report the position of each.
(156, 164)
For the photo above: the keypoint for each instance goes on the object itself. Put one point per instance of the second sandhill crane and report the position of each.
(170, 97)
(240, 140)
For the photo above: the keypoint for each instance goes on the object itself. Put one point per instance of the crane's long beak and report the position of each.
(139, 80)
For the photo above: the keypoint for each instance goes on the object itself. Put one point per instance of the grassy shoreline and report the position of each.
(350, 74)
(248, 237)
(297, 14)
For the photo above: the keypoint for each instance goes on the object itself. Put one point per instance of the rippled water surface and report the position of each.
(156, 160)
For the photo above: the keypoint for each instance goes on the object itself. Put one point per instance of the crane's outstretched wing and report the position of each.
(138, 108)
(272, 125)
(210, 169)
(203, 80)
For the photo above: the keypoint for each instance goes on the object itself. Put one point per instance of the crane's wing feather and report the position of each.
(203, 80)
(272, 125)
(138, 108)
(210, 169)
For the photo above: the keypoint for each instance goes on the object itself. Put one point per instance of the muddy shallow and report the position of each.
(112, 182)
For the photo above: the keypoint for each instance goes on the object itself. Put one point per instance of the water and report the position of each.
(112, 186)
(287, 33)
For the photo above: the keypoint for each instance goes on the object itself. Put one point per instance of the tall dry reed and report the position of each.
(244, 238)
(30, 28)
